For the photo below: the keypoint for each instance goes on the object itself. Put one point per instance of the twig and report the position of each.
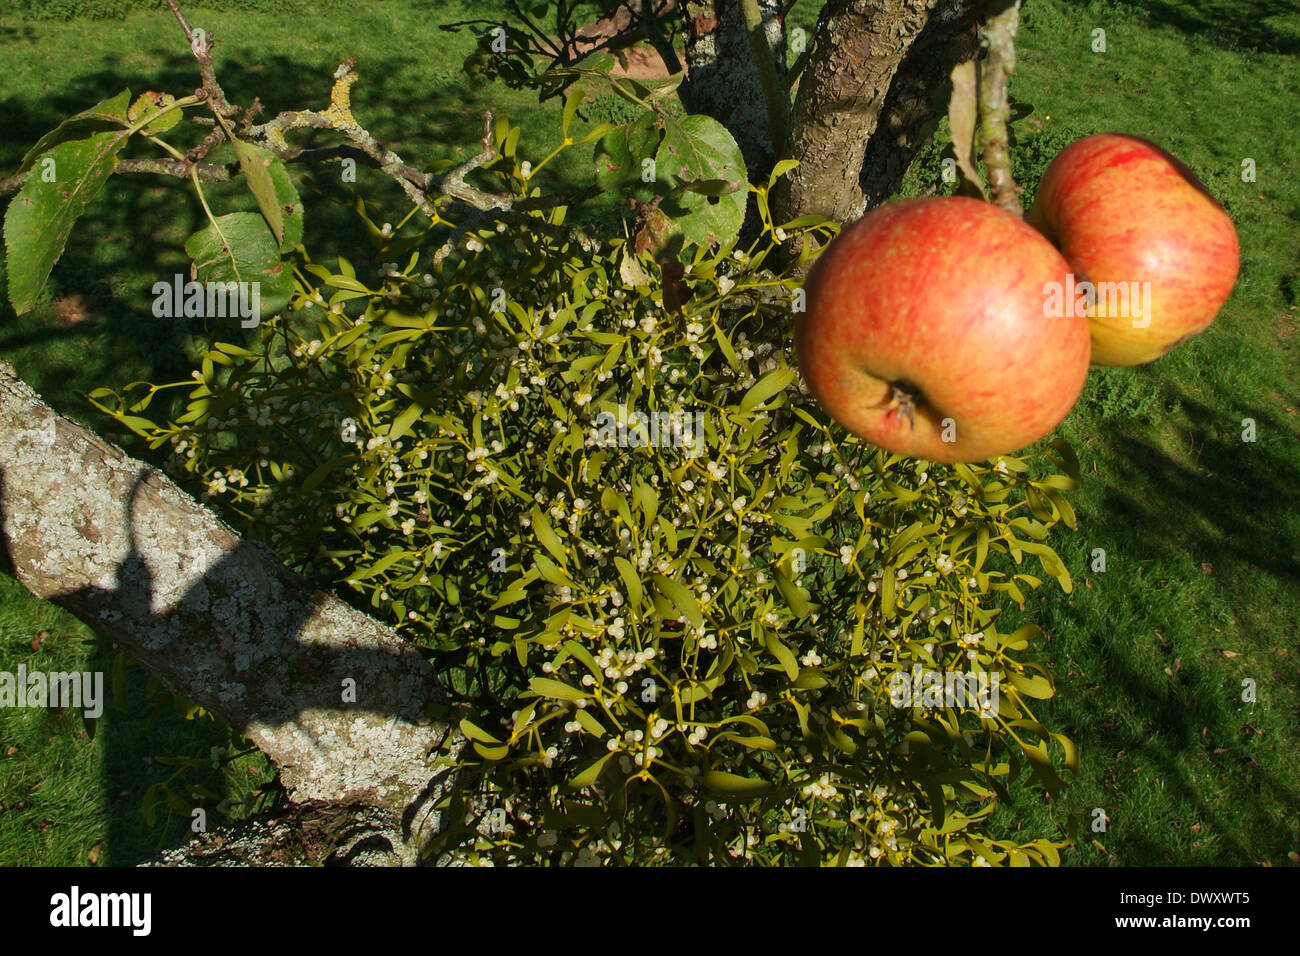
(453, 182)
(201, 44)
(999, 36)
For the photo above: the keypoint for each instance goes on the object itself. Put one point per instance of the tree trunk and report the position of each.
(875, 79)
(917, 98)
(217, 620)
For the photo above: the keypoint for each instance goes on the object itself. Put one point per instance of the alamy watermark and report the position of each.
(973, 690)
(1117, 300)
(84, 690)
(213, 300)
(683, 430)
(75, 908)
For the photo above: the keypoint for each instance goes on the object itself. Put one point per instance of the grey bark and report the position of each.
(218, 620)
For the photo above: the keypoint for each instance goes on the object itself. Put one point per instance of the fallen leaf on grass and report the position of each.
(73, 309)
(39, 639)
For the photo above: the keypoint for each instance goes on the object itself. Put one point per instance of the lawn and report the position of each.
(1199, 528)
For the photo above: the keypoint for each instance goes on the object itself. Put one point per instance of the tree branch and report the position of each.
(336, 699)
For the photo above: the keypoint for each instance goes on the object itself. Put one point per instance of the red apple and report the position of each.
(1125, 213)
(926, 334)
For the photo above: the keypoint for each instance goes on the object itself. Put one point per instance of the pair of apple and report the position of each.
(949, 329)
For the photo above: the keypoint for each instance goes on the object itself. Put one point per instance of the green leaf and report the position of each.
(379, 567)
(734, 785)
(697, 148)
(795, 597)
(111, 112)
(146, 105)
(255, 162)
(770, 384)
(555, 689)
(475, 732)
(1071, 753)
(404, 422)
(621, 153)
(572, 100)
(40, 218)
(780, 169)
(289, 204)
(509, 597)
(782, 653)
(239, 247)
(725, 344)
(981, 547)
(324, 471)
(682, 599)
(549, 570)
(887, 592)
(589, 723)
(1037, 687)
(149, 806)
(547, 537)
(588, 776)
(1069, 460)
(631, 580)
(810, 679)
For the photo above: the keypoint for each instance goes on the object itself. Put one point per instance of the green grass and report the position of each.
(1199, 528)
(70, 798)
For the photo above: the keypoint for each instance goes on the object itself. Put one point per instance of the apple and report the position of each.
(926, 333)
(1135, 224)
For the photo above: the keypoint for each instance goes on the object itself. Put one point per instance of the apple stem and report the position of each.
(998, 37)
(905, 398)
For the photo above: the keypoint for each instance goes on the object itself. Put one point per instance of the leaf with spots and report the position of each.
(621, 155)
(239, 247)
(40, 218)
(703, 167)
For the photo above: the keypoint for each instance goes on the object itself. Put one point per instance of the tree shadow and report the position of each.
(1231, 24)
(1216, 513)
(94, 325)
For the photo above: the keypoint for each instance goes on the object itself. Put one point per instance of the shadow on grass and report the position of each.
(1217, 516)
(1232, 24)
